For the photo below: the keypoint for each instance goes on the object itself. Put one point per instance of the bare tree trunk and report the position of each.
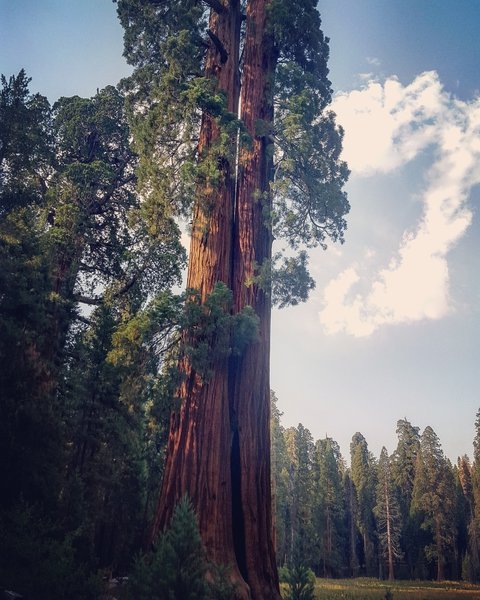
(250, 418)
(351, 530)
(391, 576)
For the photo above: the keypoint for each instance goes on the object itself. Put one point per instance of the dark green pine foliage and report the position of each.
(83, 408)
(463, 511)
(440, 521)
(26, 144)
(299, 523)
(37, 554)
(354, 544)
(310, 205)
(328, 511)
(474, 525)
(165, 42)
(106, 473)
(388, 515)
(110, 250)
(300, 582)
(177, 567)
(404, 462)
(434, 502)
(29, 429)
(280, 481)
(363, 476)
(103, 237)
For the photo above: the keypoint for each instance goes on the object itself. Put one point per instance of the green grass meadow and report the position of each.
(372, 589)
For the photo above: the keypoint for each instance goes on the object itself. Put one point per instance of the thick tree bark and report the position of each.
(249, 373)
(219, 444)
(198, 452)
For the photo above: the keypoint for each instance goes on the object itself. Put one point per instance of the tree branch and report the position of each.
(219, 46)
(215, 5)
(87, 300)
(82, 319)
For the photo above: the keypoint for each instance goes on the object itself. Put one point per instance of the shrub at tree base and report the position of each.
(300, 581)
(178, 568)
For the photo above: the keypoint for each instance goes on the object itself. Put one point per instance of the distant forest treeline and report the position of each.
(411, 514)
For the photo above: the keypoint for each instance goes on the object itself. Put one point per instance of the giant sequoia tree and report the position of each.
(269, 168)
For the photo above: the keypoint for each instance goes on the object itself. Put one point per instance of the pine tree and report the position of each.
(433, 500)
(463, 511)
(474, 527)
(404, 462)
(405, 458)
(301, 583)
(387, 514)
(78, 432)
(351, 518)
(29, 431)
(177, 569)
(363, 471)
(328, 508)
(300, 453)
(280, 481)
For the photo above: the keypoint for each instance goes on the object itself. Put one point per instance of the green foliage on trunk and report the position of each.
(170, 90)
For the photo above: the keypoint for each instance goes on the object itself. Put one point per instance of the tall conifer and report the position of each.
(284, 175)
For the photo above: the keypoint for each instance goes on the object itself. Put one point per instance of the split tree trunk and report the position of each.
(219, 444)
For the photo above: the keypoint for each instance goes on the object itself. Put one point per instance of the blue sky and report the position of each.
(393, 327)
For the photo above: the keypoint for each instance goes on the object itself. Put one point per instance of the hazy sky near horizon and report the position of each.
(393, 328)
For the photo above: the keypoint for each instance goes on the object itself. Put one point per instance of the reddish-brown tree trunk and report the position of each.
(219, 444)
(252, 511)
(198, 452)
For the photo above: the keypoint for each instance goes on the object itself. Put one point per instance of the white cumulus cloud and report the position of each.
(386, 126)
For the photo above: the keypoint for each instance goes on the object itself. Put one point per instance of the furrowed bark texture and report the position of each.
(219, 444)
(250, 372)
(198, 452)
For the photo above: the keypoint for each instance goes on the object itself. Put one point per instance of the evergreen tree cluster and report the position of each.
(87, 326)
(91, 333)
(411, 514)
